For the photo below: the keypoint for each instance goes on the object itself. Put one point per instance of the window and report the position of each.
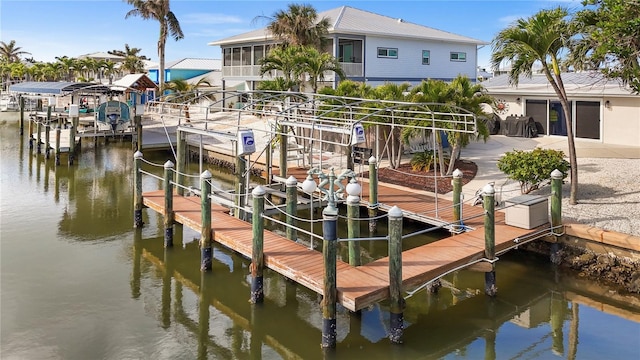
(458, 56)
(426, 57)
(258, 54)
(391, 53)
(227, 56)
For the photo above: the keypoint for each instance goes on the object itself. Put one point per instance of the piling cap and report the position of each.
(205, 174)
(169, 164)
(372, 160)
(489, 189)
(556, 174)
(395, 212)
(292, 181)
(353, 188)
(259, 191)
(137, 155)
(457, 173)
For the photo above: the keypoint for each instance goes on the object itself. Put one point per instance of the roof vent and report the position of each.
(399, 20)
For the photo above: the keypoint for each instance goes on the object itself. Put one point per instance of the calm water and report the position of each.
(77, 282)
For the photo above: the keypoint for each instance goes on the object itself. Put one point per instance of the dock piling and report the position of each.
(57, 146)
(241, 188)
(353, 224)
(373, 194)
(21, 116)
(137, 198)
(181, 149)
(396, 301)
(38, 135)
(206, 251)
(72, 136)
(168, 203)
(556, 214)
(257, 253)
(457, 192)
(292, 207)
(329, 251)
(489, 238)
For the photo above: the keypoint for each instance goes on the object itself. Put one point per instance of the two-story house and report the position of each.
(370, 47)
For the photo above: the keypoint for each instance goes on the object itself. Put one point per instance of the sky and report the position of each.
(53, 28)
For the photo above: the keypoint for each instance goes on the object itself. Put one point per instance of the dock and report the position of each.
(361, 286)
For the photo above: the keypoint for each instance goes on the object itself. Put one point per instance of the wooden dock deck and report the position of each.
(358, 287)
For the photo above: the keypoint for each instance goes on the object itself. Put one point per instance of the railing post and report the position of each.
(241, 168)
(373, 194)
(330, 237)
(396, 301)
(457, 198)
(283, 150)
(168, 203)
(489, 238)
(57, 146)
(205, 232)
(353, 224)
(556, 214)
(137, 196)
(292, 207)
(180, 161)
(257, 254)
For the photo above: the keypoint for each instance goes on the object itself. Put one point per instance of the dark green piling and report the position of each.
(206, 251)
(556, 214)
(38, 136)
(373, 194)
(353, 222)
(57, 145)
(257, 254)
(137, 197)
(292, 208)
(31, 120)
(21, 115)
(72, 138)
(47, 135)
(168, 204)
(138, 126)
(330, 237)
(457, 199)
(489, 238)
(396, 301)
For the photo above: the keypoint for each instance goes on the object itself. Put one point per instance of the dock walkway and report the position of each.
(362, 286)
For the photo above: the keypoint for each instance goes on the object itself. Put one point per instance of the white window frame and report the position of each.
(387, 50)
(458, 53)
(428, 57)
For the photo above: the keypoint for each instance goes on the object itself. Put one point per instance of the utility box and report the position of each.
(527, 211)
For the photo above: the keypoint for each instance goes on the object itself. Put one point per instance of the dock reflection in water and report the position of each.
(78, 282)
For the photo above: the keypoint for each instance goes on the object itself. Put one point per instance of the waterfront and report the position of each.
(79, 282)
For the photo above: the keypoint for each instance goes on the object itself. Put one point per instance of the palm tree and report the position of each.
(160, 11)
(542, 38)
(284, 60)
(68, 65)
(186, 93)
(10, 52)
(316, 64)
(109, 68)
(299, 25)
(132, 59)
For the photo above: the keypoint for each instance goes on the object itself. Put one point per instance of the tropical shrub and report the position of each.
(532, 168)
(422, 161)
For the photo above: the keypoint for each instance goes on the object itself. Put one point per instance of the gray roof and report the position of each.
(348, 20)
(587, 83)
(193, 64)
(55, 88)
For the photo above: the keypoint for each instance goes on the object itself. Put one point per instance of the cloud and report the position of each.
(209, 18)
(509, 19)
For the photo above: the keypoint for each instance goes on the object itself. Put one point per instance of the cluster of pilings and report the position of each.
(329, 236)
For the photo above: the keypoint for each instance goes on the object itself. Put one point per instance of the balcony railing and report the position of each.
(253, 71)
